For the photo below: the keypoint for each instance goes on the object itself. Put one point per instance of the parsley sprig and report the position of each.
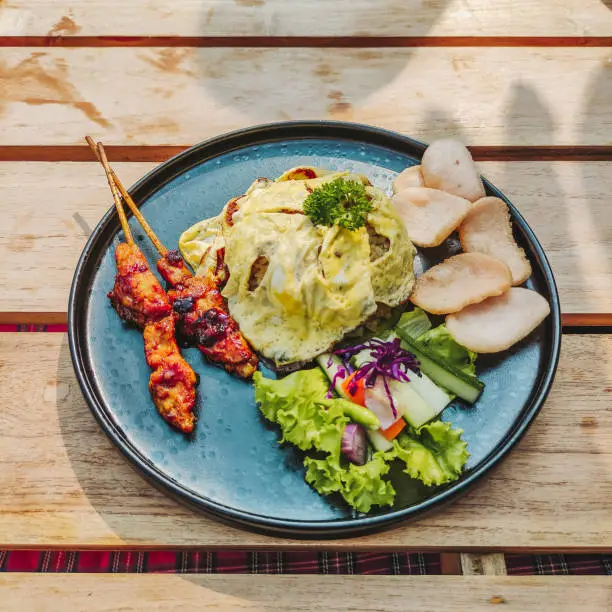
(339, 202)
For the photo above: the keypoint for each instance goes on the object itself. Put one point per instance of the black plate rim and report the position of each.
(274, 132)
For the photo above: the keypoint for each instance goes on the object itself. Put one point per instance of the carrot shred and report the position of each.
(392, 432)
(358, 387)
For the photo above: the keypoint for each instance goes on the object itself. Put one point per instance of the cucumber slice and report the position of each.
(331, 365)
(416, 410)
(466, 387)
(420, 400)
(436, 397)
(423, 385)
(378, 441)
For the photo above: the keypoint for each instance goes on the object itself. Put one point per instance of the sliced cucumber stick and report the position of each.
(416, 410)
(466, 387)
(331, 365)
(420, 400)
(430, 392)
(378, 441)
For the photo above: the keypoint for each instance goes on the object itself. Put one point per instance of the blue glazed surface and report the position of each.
(234, 457)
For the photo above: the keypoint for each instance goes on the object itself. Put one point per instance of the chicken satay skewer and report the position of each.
(139, 298)
(198, 303)
(137, 295)
(204, 317)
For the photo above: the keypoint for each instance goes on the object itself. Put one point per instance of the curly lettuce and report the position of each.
(362, 486)
(292, 403)
(414, 323)
(435, 454)
(308, 420)
(440, 342)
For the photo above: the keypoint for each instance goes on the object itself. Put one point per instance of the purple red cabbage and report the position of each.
(340, 374)
(388, 359)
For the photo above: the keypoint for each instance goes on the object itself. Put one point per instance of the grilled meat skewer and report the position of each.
(137, 295)
(139, 298)
(172, 383)
(202, 314)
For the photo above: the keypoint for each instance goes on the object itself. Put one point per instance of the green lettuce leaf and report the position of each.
(362, 486)
(414, 323)
(324, 475)
(292, 402)
(297, 403)
(435, 454)
(440, 342)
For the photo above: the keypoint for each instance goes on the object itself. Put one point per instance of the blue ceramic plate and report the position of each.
(233, 468)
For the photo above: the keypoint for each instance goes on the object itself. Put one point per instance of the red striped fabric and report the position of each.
(553, 565)
(219, 562)
(32, 327)
(251, 562)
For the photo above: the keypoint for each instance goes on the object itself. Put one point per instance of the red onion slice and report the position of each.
(354, 443)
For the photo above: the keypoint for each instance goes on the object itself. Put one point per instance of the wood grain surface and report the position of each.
(63, 485)
(486, 96)
(102, 593)
(524, 81)
(49, 210)
(305, 17)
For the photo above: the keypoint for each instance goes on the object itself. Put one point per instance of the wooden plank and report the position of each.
(105, 592)
(49, 209)
(487, 96)
(63, 485)
(303, 18)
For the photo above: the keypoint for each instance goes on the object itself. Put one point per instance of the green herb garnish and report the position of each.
(340, 202)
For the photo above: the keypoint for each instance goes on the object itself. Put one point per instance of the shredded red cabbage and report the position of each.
(342, 372)
(339, 375)
(389, 360)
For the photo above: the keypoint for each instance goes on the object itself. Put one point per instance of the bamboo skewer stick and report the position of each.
(116, 197)
(127, 198)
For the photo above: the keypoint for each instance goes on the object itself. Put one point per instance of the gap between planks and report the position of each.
(324, 42)
(160, 153)
(572, 322)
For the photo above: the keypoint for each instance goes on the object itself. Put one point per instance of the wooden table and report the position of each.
(527, 84)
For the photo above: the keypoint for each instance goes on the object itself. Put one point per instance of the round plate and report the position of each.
(233, 467)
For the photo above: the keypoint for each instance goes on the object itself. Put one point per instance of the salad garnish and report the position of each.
(388, 360)
(332, 436)
(340, 202)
